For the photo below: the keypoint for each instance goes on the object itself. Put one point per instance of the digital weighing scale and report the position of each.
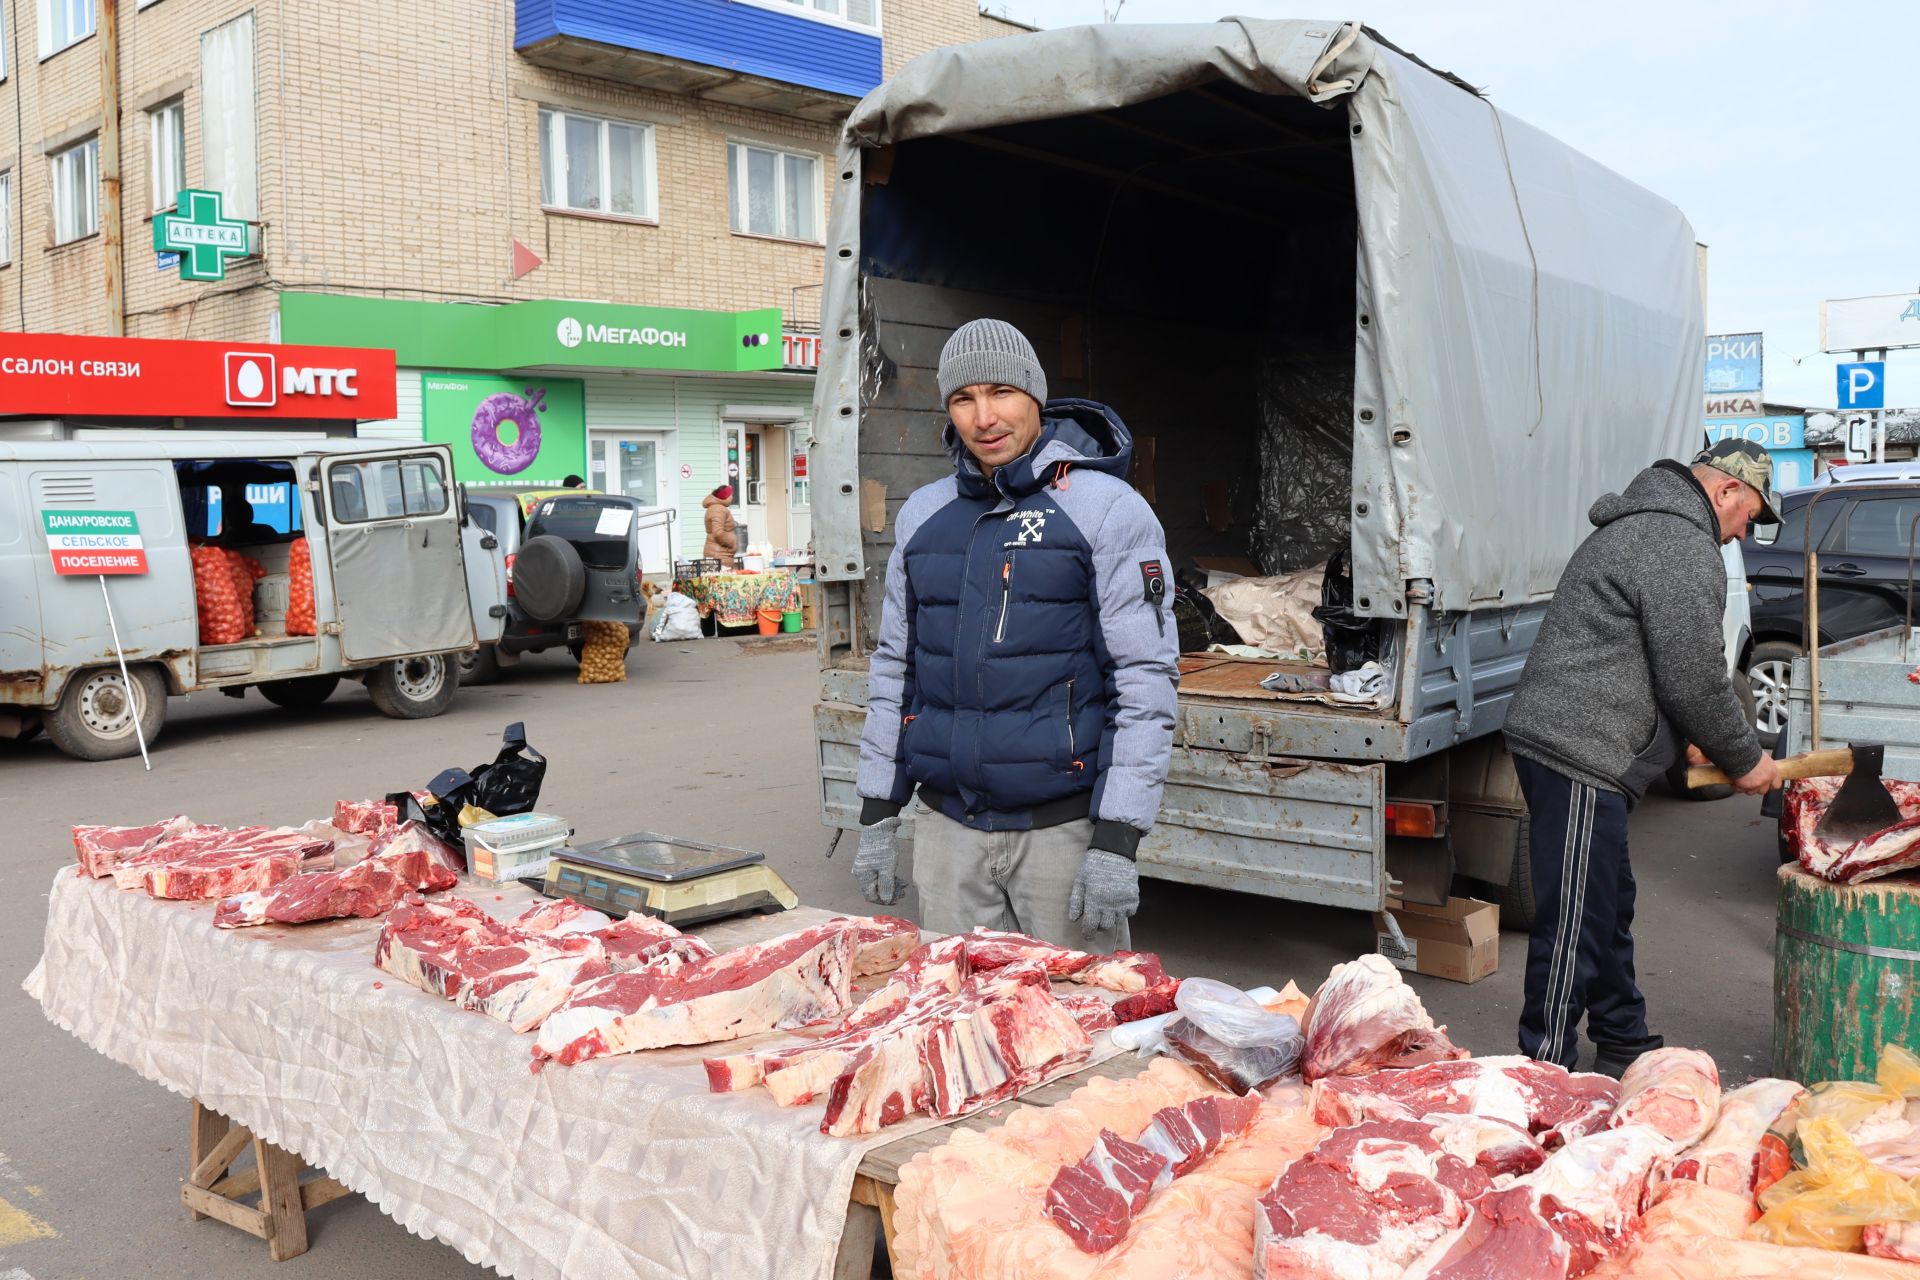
(680, 881)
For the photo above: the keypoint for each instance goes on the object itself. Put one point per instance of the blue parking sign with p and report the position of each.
(1862, 385)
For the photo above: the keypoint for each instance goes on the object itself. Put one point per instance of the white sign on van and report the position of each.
(614, 522)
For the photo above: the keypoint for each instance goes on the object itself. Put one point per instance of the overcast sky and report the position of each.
(1789, 134)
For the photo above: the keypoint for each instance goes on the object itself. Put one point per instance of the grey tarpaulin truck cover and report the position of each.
(1342, 297)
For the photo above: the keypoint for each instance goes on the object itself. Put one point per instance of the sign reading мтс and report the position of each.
(95, 542)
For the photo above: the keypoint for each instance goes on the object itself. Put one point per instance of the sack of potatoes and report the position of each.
(603, 653)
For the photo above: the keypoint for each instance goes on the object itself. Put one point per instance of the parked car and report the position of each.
(572, 557)
(1871, 472)
(402, 582)
(1736, 634)
(1862, 531)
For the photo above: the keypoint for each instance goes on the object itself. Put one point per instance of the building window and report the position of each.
(227, 143)
(773, 193)
(6, 217)
(595, 165)
(168, 130)
(853, 13)
(64, 22)
(76, 191)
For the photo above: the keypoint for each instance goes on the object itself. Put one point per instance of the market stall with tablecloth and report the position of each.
(735, 599)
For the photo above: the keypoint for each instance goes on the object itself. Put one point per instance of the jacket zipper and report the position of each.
(1073, 751)
(1006, 598)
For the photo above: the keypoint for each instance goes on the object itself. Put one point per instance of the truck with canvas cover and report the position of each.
(1352, 313)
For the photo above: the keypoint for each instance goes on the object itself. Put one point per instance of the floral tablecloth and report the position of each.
(736, 597)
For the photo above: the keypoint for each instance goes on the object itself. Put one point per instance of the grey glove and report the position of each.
(873, 863)
(1105, 893)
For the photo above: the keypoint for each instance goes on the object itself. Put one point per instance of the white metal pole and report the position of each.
(133, 698)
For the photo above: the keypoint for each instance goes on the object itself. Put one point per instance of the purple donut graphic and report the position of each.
(523, 412)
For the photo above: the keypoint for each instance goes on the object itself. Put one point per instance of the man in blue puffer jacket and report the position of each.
(1025, 671)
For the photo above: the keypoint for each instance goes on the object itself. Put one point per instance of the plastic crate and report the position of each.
(519, 845)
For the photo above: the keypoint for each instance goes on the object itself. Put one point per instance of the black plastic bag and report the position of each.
(451, 790)
(1200, 624)
(511, 784)
(1352, 641)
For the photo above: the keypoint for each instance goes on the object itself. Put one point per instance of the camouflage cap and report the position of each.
(1747, 462)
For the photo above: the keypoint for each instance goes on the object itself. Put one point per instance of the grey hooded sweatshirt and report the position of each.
(1629, 665)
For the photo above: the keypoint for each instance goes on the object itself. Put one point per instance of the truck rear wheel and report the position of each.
(95, 718)
(414, 688)
(479, 666)
(302, 693)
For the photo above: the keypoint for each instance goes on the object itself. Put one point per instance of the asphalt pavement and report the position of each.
(711, 740)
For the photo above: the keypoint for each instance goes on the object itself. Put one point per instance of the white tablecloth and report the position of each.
(621, 1167)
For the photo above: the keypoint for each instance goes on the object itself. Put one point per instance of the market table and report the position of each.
(735, 598)
(618, 1167)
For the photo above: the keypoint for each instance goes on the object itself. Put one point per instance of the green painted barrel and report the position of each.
(1845, 975)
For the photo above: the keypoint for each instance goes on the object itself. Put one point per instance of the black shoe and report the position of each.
(1614, 1059)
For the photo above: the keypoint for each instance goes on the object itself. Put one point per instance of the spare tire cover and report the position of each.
(548, 578)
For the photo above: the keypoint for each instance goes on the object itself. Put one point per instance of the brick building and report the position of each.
(662, 167)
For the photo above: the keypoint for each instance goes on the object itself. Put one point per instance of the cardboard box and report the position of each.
(1459, 941)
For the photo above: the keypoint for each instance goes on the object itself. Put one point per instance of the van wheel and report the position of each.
(414, 688)
(302, 693)
(480, 666)
(1516, 895)
(95, 718)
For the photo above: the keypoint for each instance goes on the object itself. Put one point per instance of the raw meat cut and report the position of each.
(789, 981)
(1363, 1204)
(1849, 862)
(1092, 1013)
(1187, 1135)
(1676, 1091)
(1235, 1069)
(1127, 972)
(454, 949)
(366, 889)
(1151, 1003)
(880, 943)
(1497, 1147)
(1729, 1158)
(366, 817)
(1364, 1018)
(1503, 1236)
(560, 916)
(1545, 1100)
(1095, 1199)
(1897, 1240)
(642, 940)
(232, 862)
(1590, 1191)
(413, 834)
(100, 849)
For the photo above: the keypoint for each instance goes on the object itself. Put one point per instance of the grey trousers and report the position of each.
(1017, 880)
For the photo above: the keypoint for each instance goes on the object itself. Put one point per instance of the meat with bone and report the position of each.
(1096, 1198)
(99, 850)
(1363, 1204)
(1730, 1158)
(412, 835)
(201, 866)
(1591, 1190)
(1850, 861)
(366, 817)
(789, 981)
(1503, 1237)
(454, 949)
(561, 916)
(1365, 1018)
(1127, 972)
(1675, 1091)
(368, 888)
(1545, 1100)
(880, 943)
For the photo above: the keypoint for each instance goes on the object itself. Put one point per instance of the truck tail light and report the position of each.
(509, 576)
(1421, 821)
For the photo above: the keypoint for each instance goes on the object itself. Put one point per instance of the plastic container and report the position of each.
(769, 620)
(507, 848)
(790, 620)
(753, 562)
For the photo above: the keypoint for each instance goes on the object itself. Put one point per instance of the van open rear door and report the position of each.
(393, 545)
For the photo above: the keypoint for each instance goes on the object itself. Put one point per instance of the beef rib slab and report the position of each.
(368, 888)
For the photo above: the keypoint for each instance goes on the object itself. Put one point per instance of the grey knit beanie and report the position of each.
(990, 351)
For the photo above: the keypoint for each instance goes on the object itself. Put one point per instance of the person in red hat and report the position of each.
(722, 543)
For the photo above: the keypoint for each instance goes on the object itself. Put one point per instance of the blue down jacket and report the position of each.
(1027, 658)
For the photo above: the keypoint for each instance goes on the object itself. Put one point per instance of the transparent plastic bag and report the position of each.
(1229, 1038)
(1230, 1015)
(1826, 1204)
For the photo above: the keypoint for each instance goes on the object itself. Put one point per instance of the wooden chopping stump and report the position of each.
(1846, 969)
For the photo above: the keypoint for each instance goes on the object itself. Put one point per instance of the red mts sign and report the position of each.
(60, 374)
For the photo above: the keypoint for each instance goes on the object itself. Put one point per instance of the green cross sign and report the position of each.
(200, 235)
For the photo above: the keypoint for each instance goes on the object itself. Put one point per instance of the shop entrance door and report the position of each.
(637, 464)
(747, 473)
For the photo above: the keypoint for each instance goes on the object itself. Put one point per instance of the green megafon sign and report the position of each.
(520, 431)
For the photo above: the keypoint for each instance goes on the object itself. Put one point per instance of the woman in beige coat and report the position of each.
(722, 542)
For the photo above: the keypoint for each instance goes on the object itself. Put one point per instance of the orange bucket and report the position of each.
(769, 620)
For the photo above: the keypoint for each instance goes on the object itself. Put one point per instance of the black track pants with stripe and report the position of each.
(1580, 958)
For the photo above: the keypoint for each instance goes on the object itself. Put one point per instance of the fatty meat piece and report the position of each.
(1897, 1240)
(1730, 1157)
(1127, 972)
(1590, 1191)
(196, 867)
(413, 834)
(365, 817)
(99, 850)
(1235, 1069)
(1503, 1236)
(1849, 862)
(1365, 1018)
(1676, 1091)
(452, 948)
(1546, 1100)
(368, 888)
(561, 916)
(789, 981)
(641, 941)
(1095, 1199)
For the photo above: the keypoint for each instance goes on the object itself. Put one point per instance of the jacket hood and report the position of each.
(1665, 488)
(1079, 433)
(711, 501)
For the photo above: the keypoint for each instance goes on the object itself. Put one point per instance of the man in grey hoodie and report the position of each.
(1628, 667)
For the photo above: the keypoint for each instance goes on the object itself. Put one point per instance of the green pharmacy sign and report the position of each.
(201, 235)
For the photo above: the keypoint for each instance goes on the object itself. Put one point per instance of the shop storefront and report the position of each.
(658, 403)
